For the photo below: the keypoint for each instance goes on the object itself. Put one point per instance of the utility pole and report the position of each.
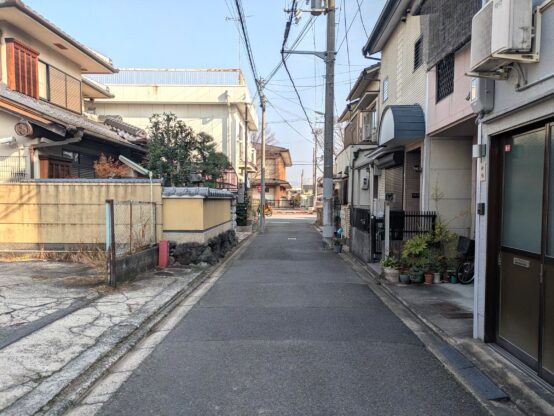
(262, 180)
(245, 150)
(329, 125)
(314, 192)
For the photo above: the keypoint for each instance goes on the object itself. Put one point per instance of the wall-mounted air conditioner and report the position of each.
(502, 33)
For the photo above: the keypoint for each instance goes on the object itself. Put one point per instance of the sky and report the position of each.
(203, 34)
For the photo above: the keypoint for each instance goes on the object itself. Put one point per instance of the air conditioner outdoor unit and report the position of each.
(502, 33)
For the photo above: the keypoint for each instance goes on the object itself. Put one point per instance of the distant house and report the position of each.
(276, 185)
(43, 131)
(214, 101)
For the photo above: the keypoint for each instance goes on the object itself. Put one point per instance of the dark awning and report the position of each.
(402, 124)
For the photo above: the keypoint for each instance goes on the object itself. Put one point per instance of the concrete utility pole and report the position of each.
(314, 191)
(262, 179)
(245, 150)
(329, 124)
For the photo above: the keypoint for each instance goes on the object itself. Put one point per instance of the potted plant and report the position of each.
(416, 253)
(390, 268)
(404, 276)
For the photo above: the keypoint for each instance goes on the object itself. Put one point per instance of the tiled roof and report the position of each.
(68, 118)
(183, 192)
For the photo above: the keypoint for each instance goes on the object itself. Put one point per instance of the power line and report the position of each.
(285, 38)
(361, 17)
(297, 41)
(288, 123)
(347, 43)
(350, 26)
(248, 47)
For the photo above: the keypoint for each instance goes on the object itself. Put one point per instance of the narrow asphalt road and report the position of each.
(289, 329)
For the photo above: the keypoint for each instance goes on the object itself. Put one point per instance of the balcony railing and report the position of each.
(140, 76)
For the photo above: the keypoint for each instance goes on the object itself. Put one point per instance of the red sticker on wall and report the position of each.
(507, 148)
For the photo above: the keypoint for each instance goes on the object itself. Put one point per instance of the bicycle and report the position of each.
(268, 211)
(465, 271)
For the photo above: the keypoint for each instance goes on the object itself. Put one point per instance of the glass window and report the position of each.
(523, 191)
(385, 89)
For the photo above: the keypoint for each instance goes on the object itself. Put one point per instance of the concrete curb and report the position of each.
(434, 341)
(61, 390)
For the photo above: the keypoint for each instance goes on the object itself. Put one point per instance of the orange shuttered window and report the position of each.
(22, 64)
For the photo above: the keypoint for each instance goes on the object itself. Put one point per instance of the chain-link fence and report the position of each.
(130, 228)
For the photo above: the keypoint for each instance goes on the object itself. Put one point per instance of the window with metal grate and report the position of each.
(418, 53)
(445, 77)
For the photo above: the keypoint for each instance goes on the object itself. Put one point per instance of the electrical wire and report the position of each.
(361, 17)
(248, 48)
(285, 38)
(347, 44)
(299, 38)
(350, 26)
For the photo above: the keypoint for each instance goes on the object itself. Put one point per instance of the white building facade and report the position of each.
(214, 101)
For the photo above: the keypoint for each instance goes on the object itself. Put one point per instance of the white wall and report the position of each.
(450, 178)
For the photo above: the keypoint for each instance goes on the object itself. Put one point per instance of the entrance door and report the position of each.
(526, 258)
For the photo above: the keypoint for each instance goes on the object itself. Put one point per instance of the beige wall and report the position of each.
(451, 181)
(195, 219)
(183, 214)
(397, 64)
(58, 215)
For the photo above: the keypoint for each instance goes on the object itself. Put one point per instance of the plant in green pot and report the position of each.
(416, 253)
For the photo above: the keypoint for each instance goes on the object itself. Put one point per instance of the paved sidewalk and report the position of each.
(447, 310)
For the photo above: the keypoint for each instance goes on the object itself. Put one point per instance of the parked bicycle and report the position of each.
(268, 211)
(466, 267)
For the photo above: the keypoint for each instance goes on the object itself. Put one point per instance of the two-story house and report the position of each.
(514, 96)
(43, 132)
(426, 125)
(353, 170)
(277, 160)
(214, 101)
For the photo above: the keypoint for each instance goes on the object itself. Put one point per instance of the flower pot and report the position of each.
(391, 274)
(404, 278)
(436, 278)
(453, 279)
(428, 278)
(416, 277)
